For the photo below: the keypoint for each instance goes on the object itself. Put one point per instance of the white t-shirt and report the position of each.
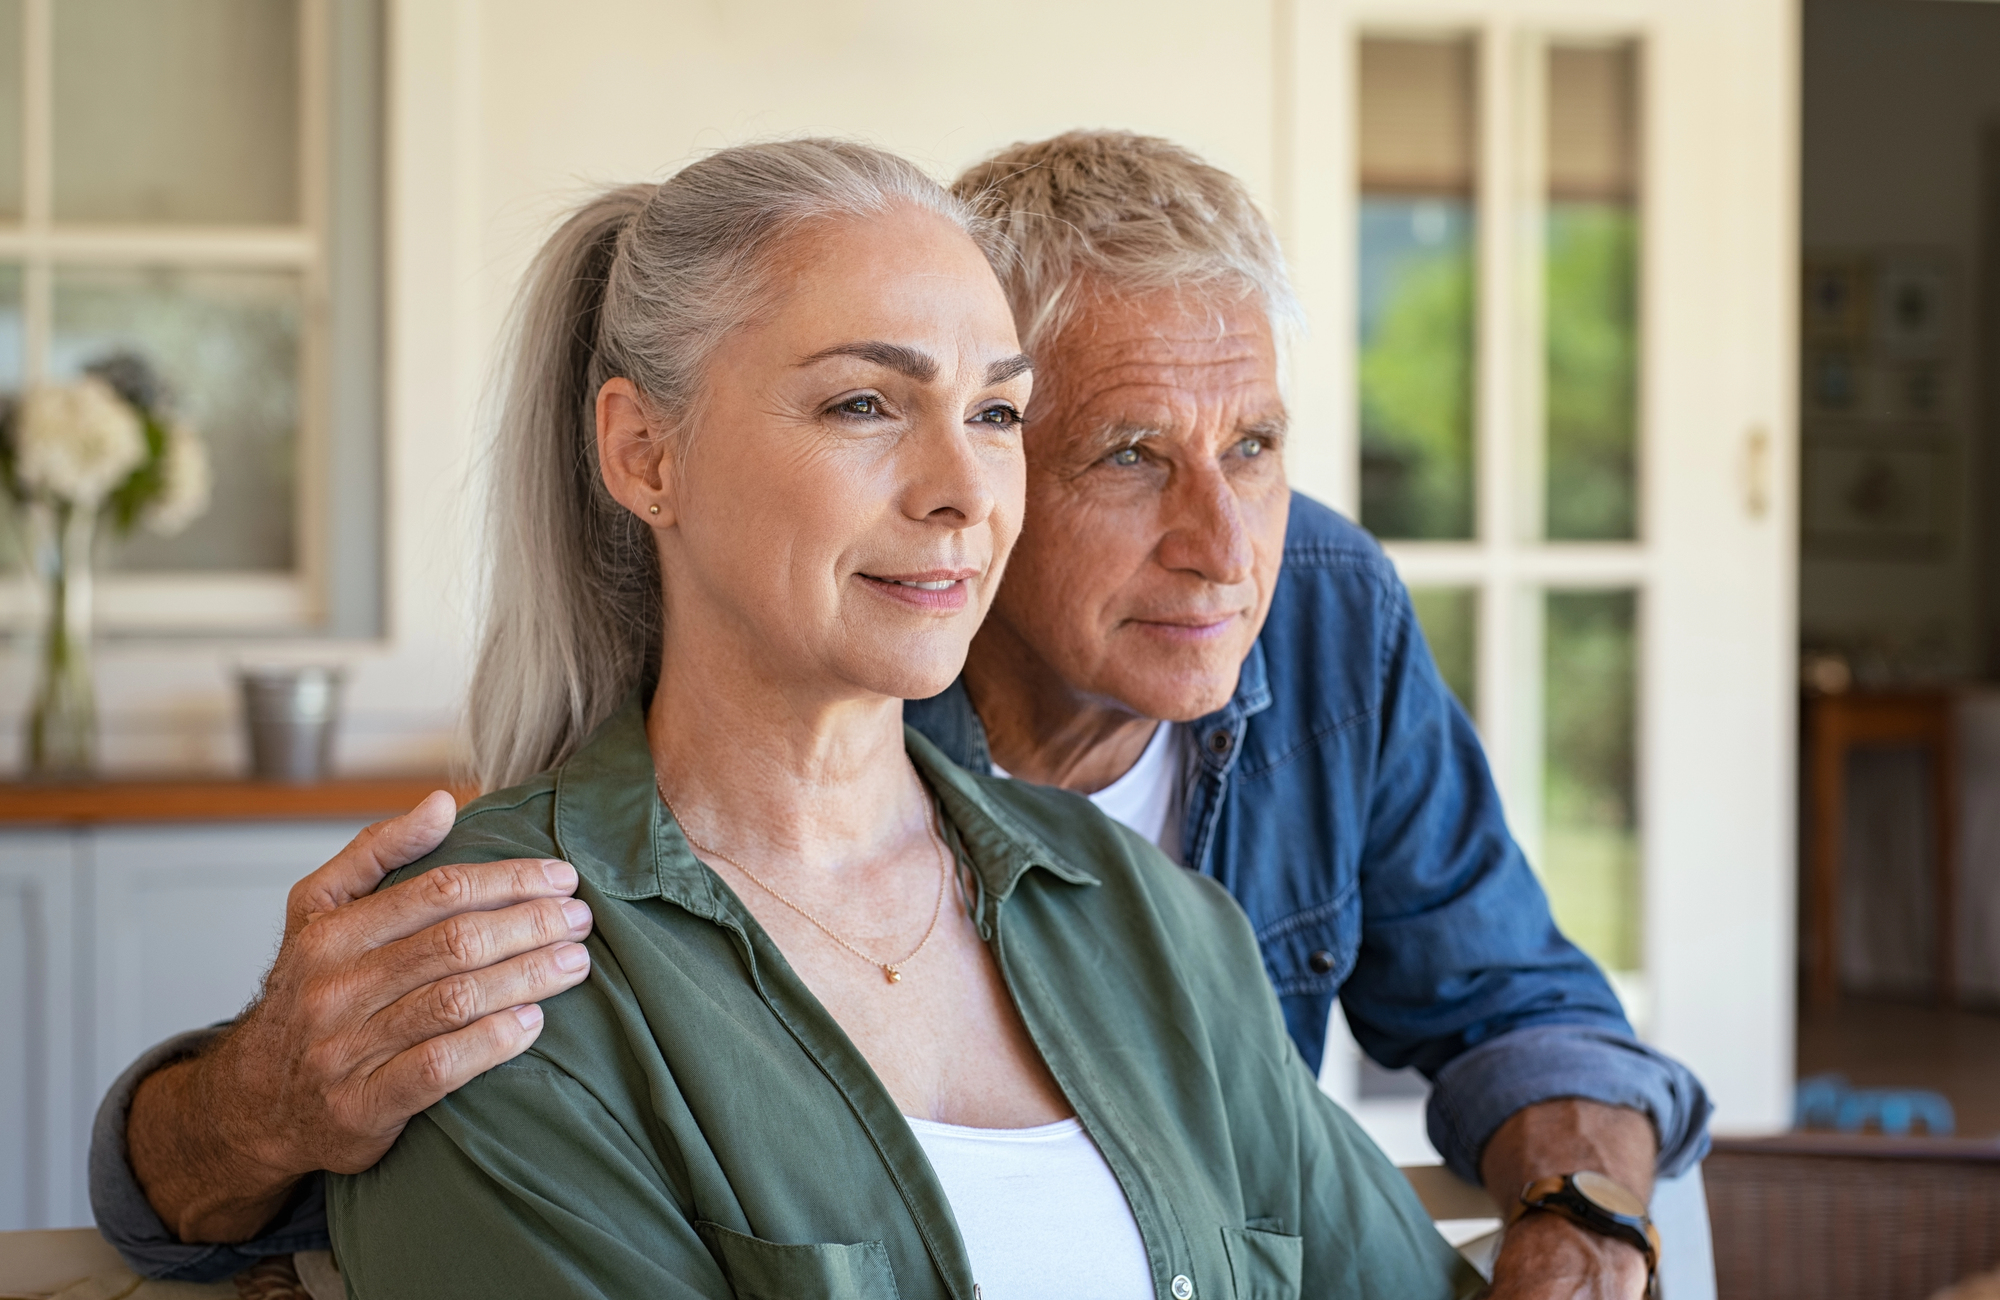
(1148, 797)
(1040, 1211)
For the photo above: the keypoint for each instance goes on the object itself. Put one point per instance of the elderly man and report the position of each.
(1228, 667)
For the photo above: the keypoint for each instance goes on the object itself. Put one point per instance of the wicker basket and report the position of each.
(1829, 1217)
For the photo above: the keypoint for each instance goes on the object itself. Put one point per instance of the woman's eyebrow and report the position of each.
(1002, 371)
(904, 360)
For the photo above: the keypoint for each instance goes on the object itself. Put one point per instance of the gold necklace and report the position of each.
(891, 970)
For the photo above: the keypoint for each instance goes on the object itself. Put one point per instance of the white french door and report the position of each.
(1548, 247)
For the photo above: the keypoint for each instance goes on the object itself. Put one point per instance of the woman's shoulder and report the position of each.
(518, 822)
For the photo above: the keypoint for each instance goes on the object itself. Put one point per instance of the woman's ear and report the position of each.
(632, 454)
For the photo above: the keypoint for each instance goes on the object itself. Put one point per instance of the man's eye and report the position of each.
(1251, 447)
(861, 406)
(1125, 457)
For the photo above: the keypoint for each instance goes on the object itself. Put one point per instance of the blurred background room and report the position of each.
(1656, 340)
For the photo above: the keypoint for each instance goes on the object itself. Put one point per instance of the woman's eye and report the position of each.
(1005, 417)
(1125, 457)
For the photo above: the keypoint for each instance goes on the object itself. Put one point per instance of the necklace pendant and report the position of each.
(895, 976)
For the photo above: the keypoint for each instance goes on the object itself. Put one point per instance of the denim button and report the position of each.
(1182, 1288)
(1321, 962)
(1218, 741)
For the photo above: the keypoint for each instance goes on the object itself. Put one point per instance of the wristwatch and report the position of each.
(1592, 1201)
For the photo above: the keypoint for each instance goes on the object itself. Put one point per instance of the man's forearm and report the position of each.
(1567, 1136)
(1546, 1255)
(201, 1176)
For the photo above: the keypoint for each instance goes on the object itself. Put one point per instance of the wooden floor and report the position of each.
(1878, 1043)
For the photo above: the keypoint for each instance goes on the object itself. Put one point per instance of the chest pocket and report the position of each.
(764, 1270)
(1265, 1265)
(1313, 951)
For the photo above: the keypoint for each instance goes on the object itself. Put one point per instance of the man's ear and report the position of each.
(632, 454)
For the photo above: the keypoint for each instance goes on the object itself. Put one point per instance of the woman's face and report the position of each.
(838, 513)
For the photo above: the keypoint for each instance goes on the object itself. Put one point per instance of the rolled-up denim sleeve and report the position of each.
(127, 1219)
(1473, 1095)
(1462, 971)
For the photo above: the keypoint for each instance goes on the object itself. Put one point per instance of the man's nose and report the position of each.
(1205, 529)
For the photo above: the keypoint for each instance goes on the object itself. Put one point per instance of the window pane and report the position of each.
(176, 110)
(1417, 146)
(1590, 824)
(10, 110)
(1591, 269)
(1450, 619)
(226, 342)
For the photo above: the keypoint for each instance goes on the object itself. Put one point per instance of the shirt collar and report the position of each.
(611, 826)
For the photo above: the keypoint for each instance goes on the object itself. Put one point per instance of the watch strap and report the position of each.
(1560, 1194)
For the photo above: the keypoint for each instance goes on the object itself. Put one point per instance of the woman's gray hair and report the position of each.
(1127, 213)
(642, 283)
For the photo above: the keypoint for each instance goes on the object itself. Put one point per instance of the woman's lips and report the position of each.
(942, 591)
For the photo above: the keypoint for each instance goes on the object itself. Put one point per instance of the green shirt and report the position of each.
(692, 1122)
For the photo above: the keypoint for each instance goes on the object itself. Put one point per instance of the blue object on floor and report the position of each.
(1829, 1101)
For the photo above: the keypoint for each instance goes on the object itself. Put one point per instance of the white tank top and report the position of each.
(1040, 1211)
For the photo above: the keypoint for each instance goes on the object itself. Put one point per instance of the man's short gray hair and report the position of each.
(1130, 213)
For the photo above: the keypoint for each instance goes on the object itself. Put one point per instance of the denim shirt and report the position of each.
(1343, 798)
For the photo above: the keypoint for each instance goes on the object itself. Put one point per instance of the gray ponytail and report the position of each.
(642, 283)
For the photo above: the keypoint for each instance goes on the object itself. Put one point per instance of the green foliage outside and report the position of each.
(1593, 368)
(1449, 617)
(1417, 400)
(1590, 849)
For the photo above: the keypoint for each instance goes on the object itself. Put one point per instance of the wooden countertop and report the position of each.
(85, 803)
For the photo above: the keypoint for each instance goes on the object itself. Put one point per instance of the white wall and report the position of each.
(1896, 94)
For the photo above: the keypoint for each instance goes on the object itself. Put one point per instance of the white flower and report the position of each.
(184, 483)
(77, 442)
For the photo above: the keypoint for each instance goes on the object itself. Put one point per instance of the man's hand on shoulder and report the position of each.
(378, 1005)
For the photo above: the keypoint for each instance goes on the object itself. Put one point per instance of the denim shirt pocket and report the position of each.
(1265, 1265)
(1313, 950)
(765, 1270)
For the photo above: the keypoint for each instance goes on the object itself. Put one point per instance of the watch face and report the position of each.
(1608, 1195)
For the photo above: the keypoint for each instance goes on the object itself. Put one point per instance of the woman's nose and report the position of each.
(951, 479)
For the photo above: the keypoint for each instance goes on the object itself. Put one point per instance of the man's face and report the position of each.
(1156, 504)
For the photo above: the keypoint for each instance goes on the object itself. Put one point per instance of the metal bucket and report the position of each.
(290, 714)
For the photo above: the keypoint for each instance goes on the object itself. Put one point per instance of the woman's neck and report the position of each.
(771, 774)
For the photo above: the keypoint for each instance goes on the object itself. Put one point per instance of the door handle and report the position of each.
(1757, 472)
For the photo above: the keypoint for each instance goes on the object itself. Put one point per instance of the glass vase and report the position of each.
(62, 729)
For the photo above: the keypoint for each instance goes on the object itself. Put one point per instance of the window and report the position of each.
(1498, 420)
(196, 182)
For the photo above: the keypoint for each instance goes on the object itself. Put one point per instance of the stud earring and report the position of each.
(652, 510)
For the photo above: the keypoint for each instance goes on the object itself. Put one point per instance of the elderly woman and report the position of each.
(858, 1023)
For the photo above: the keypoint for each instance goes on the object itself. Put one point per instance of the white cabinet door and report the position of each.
(185, 922)
(40, 1135)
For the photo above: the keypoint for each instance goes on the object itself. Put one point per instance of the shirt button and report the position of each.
(1182, 1288)
(1321, 962)
(1218, 742)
